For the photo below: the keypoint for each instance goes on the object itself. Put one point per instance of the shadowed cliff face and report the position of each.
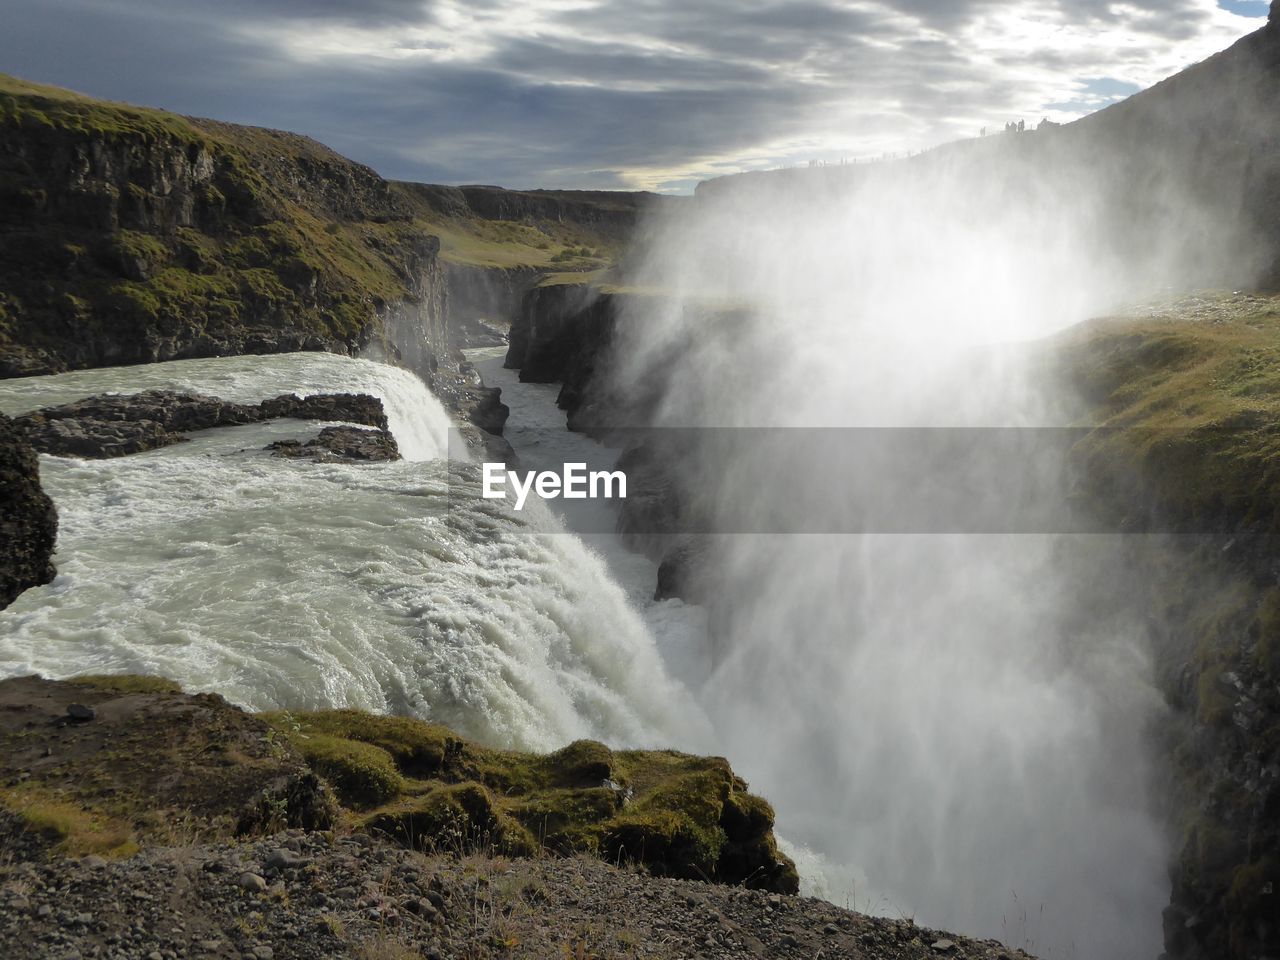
(28, 522)
(130, 235)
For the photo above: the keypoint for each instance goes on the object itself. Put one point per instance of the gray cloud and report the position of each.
(612, 92)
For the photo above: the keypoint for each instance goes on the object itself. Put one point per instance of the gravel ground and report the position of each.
(312, 896)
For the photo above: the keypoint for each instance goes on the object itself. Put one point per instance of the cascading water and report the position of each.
(956, 723)
(284, 584)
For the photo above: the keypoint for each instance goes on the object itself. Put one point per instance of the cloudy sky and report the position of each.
(653, 94)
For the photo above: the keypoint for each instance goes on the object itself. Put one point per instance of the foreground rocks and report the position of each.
(28, 521)
(297, 896)
(140, 822)
(103, 765)
(115, 426)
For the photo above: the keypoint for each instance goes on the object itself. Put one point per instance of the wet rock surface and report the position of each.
(28, 521)
(341, 445)
(116, 425)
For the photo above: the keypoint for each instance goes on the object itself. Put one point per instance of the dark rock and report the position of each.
(341, 445)
(80, 712)
(115, 425)
(684, 571)
(284, 860)
(28, 521)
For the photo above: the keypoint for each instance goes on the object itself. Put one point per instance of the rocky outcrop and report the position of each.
(341, 445)
(115, 425)
(117, 758)
(130, 235)
(28, 521)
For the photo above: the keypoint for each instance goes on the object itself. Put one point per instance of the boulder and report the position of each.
(28, 521)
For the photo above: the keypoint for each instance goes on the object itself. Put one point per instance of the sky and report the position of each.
(616, 94)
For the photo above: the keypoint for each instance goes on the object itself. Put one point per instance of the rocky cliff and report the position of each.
(130, 235)
(140, 821)
(1183, 394)
(28, 521)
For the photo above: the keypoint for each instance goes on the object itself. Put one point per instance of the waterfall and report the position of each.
(951, 726)
(282, 584)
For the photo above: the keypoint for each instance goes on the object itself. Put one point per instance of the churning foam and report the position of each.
(284, 584)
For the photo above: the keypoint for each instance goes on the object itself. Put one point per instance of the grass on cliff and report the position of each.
(244, 249)
(421, 784)
(1191, 392)
(506, 244)
(156, 765)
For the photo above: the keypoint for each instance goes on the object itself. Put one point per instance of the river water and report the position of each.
(284, 584)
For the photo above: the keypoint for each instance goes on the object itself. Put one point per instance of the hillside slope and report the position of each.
(132, 235)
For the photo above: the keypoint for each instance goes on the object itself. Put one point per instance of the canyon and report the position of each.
(254, 259)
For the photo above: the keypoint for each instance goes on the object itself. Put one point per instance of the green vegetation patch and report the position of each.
(672, 813)
(1189, 399)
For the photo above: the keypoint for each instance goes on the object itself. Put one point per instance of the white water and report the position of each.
(956, 723)
(536, 431)
(284, 584)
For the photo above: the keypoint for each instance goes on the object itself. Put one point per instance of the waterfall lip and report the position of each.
(417, 419)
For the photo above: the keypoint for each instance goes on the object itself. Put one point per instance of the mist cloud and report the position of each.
(612, 93)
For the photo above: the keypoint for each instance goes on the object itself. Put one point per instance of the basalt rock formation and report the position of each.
(116, 426)
(28, 521)
(130, 235)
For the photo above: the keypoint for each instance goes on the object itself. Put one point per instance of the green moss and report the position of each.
(419, 749)
(456, 818)
(567, 821)
(670, 812)
(361, 774)
(665, 841)
(126, 683)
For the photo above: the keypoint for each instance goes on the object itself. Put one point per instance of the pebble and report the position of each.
(253, 882)
(391, 893)
(284, 860)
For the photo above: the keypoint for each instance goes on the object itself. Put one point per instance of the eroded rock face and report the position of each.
(28, 521)
(115, 426)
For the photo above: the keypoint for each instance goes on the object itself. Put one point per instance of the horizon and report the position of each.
(594, 95)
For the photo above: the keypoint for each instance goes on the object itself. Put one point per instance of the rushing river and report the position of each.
(284, 584)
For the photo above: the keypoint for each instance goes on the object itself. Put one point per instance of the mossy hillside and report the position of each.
(551, 245)
(673, 813)
(156, 765)
(183, 235)
(1188, 394)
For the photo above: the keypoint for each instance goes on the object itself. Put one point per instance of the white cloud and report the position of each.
(627, 92)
